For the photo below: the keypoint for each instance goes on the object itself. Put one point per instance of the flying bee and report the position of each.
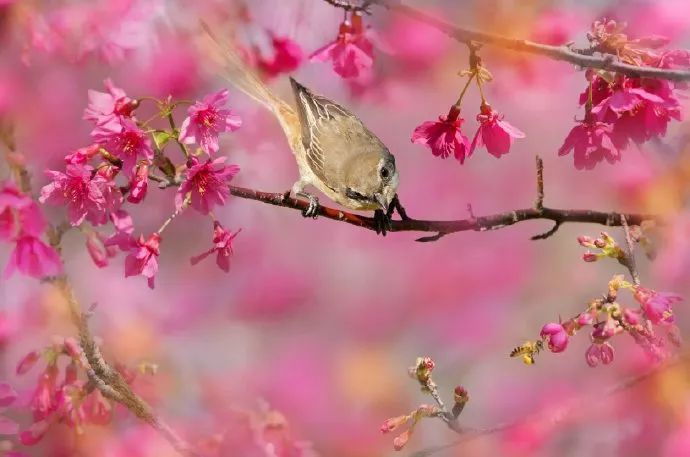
(528, 350)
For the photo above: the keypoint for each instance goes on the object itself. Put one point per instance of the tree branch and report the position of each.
(582, 59)
(553, 416)
(442, 228)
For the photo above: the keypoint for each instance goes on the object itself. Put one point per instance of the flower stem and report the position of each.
(464, 89)
(167, 222)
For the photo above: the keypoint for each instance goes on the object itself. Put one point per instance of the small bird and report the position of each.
(335, 152)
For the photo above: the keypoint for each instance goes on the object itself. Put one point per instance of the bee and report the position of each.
(528, 350)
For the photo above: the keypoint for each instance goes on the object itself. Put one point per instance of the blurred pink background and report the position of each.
(320, 319)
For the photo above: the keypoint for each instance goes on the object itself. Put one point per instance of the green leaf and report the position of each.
(161, 138)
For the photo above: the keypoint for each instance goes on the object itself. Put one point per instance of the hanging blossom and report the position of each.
(139, 184)
(285, 56)
(109, 107)
(97, 249)
(207, 183)
(591, 142)
(494, 133)
(22, 223)
(444, 136)
(143, 258)
(222, 247)
(351, 52)
(207, 119)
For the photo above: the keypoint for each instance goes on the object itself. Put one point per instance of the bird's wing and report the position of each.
(318, 116)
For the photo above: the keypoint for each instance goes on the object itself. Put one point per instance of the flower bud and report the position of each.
(589, 257)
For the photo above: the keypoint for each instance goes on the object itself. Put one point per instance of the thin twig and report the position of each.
(630, 255)
(564, 53)
(539, 204)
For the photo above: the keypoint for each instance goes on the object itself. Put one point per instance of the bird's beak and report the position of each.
(381, 199)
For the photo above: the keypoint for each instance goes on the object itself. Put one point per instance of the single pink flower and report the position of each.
(126, 141)
(79, 190)
(591, 143)
(206, 120)
(222, 240)
(287, 56)
(556, 337)
(494, 133)
(28, 362)
(109, 107)
(143, 259)
(657, 306)
(599, 353)
(207, 182)
(444, 137)
(99, 252)
(139, 184)
(32, 257)
(18, 213)
(351, 52)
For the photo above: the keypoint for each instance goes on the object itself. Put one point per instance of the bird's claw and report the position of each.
(313, 209)
(382, 222)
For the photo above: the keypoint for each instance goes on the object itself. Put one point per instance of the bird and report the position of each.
(335, 152)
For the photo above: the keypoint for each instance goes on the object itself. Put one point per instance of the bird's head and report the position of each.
(372, 178)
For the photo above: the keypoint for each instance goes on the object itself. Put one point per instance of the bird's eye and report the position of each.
(385, 173)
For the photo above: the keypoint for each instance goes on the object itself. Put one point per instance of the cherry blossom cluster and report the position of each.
(607, 317)
(421, 372)
(622, 110)
(63, 392)
(445, 137)
(100, 180)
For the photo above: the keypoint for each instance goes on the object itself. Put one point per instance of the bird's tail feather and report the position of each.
(241, 76)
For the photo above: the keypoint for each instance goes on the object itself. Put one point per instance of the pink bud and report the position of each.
(585, 241)
(7, 395)
(401, 440)
(556, 337)
(589, 257)
(72, 348)
(391, 424)
(601, 244)
(28, 362)
(631, 317)
(585, 319)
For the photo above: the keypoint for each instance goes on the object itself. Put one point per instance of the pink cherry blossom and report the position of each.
(18, 213)
(32, 257)
(591, 143)
(444, 137)
(599, 353)
(556, 337)
(139, 184)
(222, 240)
(657, 306)
(206, 120)
(79, 190)
(109, 107)
(43, 401)
(494, 133)
(207, 182)
(351, 52)
(34, 433)
(143, 258)
(126, 141)
(286, 57)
